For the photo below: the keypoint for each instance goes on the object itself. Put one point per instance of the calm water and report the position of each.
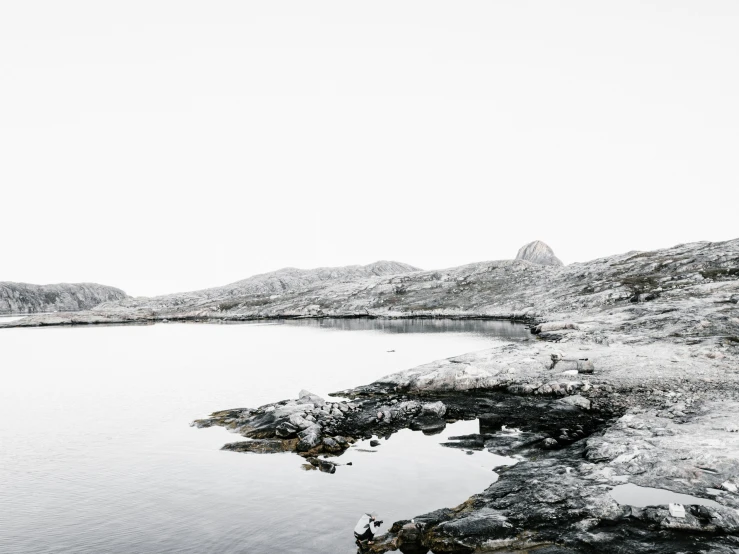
(634, 495)
(96, 454)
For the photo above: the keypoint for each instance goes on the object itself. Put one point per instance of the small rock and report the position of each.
(436, 408)
(576, 400)
(331, 445)
(729, 486)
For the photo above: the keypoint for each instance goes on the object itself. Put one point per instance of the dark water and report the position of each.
(96, 454)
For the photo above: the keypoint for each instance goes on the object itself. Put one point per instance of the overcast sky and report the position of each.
(162, 146)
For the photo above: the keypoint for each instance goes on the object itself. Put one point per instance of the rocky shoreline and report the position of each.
(633, 377)
(575, 442)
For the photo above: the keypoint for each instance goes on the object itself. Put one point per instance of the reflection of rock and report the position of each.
(428, 425)
(323, 465)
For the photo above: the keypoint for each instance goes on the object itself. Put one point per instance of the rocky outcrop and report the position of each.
(23, 298)
(310, 427)
(631, 376)
(234, 300)
(685, 290)
(573, 448)
(540, 253)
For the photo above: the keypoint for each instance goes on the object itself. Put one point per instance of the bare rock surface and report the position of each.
(24, 298)
(538, 253)
(633, 376)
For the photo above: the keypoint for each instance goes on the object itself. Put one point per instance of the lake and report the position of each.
(96, 452)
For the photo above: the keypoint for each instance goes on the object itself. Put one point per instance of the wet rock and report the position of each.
(261, 446)
(309, 438)
(286, 430)
(374, 443)
(409, 539)
(475, 527)
(330, 445)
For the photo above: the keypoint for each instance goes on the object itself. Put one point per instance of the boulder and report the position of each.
(309, 438)
(436, 408)
(576, 400)
(307, 397)
(551, 326)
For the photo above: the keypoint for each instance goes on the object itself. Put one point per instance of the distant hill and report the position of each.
(25, 298)
(644, 287)
(286, 281)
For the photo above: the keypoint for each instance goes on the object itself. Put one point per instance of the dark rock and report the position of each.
(330, 445)
(309, 438)
(261, 446)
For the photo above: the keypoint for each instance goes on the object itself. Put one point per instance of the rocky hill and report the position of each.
(539, 253)
(689, 288)
(24, 298)
(225, 302)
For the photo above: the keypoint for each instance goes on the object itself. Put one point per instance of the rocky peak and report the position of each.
(538, 252)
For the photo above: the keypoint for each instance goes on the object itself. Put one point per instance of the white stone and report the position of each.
(677, 510)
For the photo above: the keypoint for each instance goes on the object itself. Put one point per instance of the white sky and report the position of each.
(161, 146)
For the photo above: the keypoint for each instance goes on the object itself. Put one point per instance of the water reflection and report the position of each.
(502, 329)
(640, 497)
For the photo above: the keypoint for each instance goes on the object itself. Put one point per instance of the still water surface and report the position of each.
(96, 454)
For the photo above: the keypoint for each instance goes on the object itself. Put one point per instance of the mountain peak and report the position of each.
(539, 252)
